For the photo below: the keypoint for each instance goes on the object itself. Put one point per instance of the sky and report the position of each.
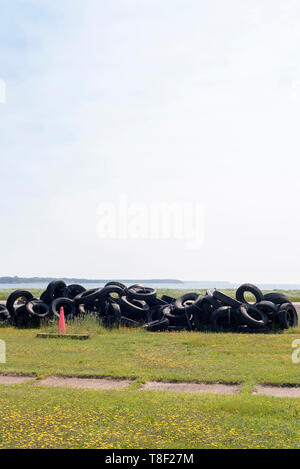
(187, 102)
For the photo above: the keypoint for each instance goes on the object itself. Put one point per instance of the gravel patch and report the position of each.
(277, 391)
(85, 383)
(14, 379)
(191, 387)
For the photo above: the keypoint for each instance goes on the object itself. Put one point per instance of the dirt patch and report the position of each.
(277, 391)
(191, 387)
(85, 383)
(14, 379)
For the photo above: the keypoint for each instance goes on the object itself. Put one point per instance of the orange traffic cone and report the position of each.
(61, 324)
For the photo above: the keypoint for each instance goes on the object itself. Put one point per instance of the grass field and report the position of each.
(294, 295)
(141, 355)
(34, 416)
(37, 417)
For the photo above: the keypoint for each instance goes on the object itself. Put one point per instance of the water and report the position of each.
(188, 285)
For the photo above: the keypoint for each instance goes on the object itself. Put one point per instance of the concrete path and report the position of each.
(191, 387)
(118, 384)
(85, 383)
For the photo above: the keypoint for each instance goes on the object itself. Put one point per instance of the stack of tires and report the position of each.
(138, 306)
(219, 312)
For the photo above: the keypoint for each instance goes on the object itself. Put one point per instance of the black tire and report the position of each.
(157, 312)
(131, 306)
(106, 292)
(175, 319)
(23, 319)
(224, 318)
(226, 300)
(201, 317)
(112, 316)
(45, 297)
(142, 293)
(16, 295)
(160, 325)
(73, 290)
(81, 310)
(69, 306)
(37, 308)
(118, 284)
(168, 299)
(252, 316)
(139, 285)
(189, 303)
(209, 303)
(88, 296)
(129, 322)
(55, 289)
(287, 316)
(268, 308)
(115, 311)
(4, 313)
(277, 298)
(250, 288)
(159, 302)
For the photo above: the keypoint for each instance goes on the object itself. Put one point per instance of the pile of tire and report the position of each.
(139, 306)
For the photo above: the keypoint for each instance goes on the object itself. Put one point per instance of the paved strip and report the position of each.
(14, 379)
(85, 383)
(118, 384)
(277, 391)
(191, 387)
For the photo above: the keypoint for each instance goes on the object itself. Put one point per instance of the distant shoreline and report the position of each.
(15, 280)
(42, 282)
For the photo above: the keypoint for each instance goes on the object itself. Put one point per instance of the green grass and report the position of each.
(32, 416)
(294, 295)
(142, 355)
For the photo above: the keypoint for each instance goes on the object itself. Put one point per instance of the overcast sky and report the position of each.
(192, 101)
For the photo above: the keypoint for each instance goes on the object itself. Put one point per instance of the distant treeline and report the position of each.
(81, 280)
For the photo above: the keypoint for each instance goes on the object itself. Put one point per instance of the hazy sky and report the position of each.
(192, 101)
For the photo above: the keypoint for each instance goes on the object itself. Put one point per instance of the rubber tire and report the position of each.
(168, 299)
(65, 303)
(13, 297)
(129, 322)
(55, 289)
(221, 313)
(190, 302)
(270, 309)
(4, 313)
(73, 290)
(129, 306)
(142, 293)
(23, 318)
(88, 296)
(118, 284)
(287, 316)
(160, 325)
(277, 298)
(175, 319)
(248, 319)
(225, 299)
(249, 287)
(107, 291)
(34, 306)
